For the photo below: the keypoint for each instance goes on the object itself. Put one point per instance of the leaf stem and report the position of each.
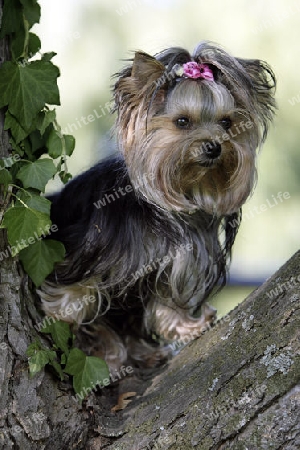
(57, 128)
(26, 39)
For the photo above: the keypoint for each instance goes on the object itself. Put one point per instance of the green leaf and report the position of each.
(87, 371)
(37, 174)
(69, 143)
(63, 359)
(38, 141)
(54, 144)
(48, 56)
(34, 201)
(17, 131)
(16, 167)
(32, 11)
(38, 361)
(53, 362)
(17, 44)
(12, 19)
(61, 334)
(26, 90)
(40, 356)
(24, 226)
(5, 177)
(40, 258)
(34, 45)
(33, 348)
(37, 145)
(44, 119)
(65, 176)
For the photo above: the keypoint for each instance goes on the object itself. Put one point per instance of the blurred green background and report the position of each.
(92, 37)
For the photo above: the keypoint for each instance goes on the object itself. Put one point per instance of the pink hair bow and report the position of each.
(195, 70)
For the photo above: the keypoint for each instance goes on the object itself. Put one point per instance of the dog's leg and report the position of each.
(73, 303)
(170, 325)
(173, 324)
(100, 340)
(146, 354)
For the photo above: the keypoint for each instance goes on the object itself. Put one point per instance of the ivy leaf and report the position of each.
(12, 19)
(39, 258)
(54, 144)
(24, 224)
(34, 44)
(53, 362)
(38, 361)
(17, 44)
(48, 56)
(37, 174)
(26, 89)
(61, 334)
(39, 357)
(5, 177)
(38, 143)
(70, 144)
(87, 371)
(32, 11)
(44, 119)
(33, 348)
(34, 201)
(63, 359)
(17, 131)
(65, 176)
(14, 169)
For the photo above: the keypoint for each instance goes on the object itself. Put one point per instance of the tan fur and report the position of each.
(191, 196)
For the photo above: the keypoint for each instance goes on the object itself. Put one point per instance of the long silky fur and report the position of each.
(152, 256)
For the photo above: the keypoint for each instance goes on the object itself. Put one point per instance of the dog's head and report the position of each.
(189, 126)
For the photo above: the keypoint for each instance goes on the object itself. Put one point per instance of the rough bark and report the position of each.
(236, 387)
(29, 408)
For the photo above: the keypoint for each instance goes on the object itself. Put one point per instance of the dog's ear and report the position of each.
(146, 69)
(263, 83)
(137, 83)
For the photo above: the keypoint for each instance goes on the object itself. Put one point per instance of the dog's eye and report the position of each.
(183, 123)
(226, 123)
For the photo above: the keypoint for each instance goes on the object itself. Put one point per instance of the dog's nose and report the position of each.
(212, 149)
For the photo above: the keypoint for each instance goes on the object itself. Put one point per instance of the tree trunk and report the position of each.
(34, 413)
(235, 387)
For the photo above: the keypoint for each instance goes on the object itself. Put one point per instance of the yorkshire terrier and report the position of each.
(147, 231)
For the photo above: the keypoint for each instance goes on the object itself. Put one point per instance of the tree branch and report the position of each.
(236, 387)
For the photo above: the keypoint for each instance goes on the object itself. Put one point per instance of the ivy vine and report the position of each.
(38, 153)
(38, 148)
